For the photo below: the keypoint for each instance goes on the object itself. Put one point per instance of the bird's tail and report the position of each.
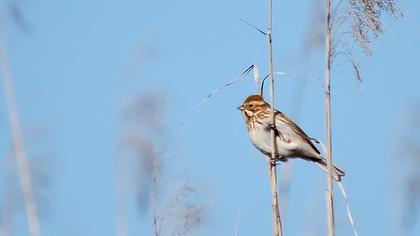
(337, 172)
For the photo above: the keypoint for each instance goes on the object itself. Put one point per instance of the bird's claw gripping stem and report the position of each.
(272, 126)
(273, 162)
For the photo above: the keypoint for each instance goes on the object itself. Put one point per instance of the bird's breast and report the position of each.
(261, 138)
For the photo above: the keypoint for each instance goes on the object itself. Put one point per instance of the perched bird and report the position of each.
(291, 141)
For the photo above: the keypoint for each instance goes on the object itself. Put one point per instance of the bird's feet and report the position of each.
(282, 159)
(274, 162)
(272, 126)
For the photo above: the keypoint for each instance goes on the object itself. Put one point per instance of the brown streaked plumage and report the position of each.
(291, 140)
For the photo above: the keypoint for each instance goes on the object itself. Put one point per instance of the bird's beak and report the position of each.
(241, 108)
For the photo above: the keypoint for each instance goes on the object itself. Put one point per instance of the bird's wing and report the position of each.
(295, 128)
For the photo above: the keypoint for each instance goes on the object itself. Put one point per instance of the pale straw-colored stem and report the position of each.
(18, 145)
(277, 227)
(121, 195)
(154, 198)
(329, 193)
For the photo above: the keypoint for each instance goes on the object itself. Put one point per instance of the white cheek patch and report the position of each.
(249, 113)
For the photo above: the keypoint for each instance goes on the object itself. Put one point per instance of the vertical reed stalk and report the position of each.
(153, 198)
(329, 193)
(18, 144)
(121, 195)
(271, 161)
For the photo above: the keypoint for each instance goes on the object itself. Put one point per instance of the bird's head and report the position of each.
(252, 105)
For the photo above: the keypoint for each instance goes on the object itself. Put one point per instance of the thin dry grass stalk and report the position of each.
(174, 204)
(364, 17)
(8, 204)
(18, 144)
(329, 193)
(272, 171)
(238, 219)
(406, 178)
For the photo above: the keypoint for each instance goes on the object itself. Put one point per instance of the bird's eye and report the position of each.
(251, 105)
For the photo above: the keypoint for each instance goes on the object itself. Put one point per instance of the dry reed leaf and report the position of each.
(253, 26)
(343, 192)
(215, 91)
(257, 77)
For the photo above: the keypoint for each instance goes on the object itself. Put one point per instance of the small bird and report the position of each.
(291, 141)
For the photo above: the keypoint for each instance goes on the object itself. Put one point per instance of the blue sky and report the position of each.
(78, 61)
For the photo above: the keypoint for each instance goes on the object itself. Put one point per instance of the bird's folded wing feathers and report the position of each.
(283, 118)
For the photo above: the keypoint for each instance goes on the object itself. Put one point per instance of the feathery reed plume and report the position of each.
(365, 17)
(15, 12)
(359, 21)
(144, 53)
(174, 204)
